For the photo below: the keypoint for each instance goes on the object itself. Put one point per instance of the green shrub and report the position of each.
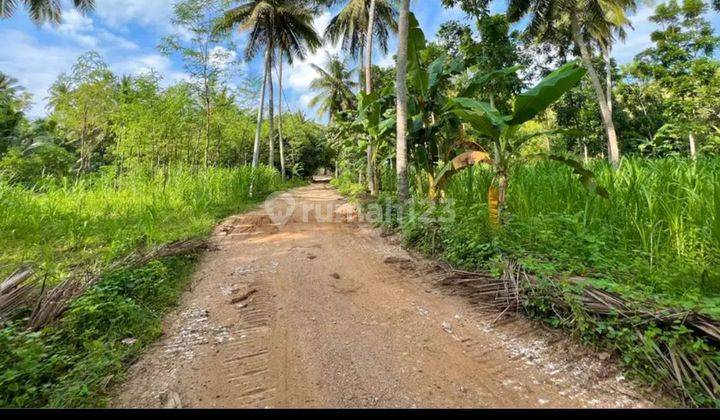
(72, 363)
(27, 168)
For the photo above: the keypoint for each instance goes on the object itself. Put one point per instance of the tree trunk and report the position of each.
(401, 92)
(368, 89)
(608, 76)
(258, 130)
(586, 159)
(207, 131)
(609, 125)
(370, 171)
(271, 113)
(361, 70)
(280, 118)
(693, 152)
(369, 47)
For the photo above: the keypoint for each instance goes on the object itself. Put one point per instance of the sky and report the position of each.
(126, 33)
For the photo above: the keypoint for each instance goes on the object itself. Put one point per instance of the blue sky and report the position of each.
(126, 34)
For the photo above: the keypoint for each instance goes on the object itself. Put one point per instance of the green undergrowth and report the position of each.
(74, 362)
(349, 188)
(655, 241)
(103, 217)
(106, 216)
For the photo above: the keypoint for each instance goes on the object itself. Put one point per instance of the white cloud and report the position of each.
(118, 13)
(142, 64)
(37, 65)
(111, 40)
(638, 38)
(302, 74)
(77, 27)
(34, 64)
(221, 57)
(387, 61)
(81, 30)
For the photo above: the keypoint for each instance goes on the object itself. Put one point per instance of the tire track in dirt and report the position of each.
(338, 316)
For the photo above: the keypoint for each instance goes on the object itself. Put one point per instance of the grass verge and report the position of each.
(655, 242)
(73, 362)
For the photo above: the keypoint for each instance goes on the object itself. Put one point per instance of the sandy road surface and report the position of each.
(322, 314)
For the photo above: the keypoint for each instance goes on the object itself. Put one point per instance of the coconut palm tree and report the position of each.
(285, 24)
(293, 45)
(8, 85)
(42, 11)
(358, 26)
(402, 107)
(335, 86)
(582, 19)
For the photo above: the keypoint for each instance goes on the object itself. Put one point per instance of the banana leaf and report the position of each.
(534, 101)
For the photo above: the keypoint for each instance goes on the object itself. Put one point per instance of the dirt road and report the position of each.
(327, 314)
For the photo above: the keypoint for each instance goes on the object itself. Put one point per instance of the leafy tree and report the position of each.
(497, 49)
(475, 8)
(270, 22)
(31, 165)
(377, 122)
(582, 21)
(11, 106)
(680, 68)
(506, 136)
(578, 109)
(205, 57)
(454, 38)
(83, 105)
(292, 45)
(358, 26)
(307, 149)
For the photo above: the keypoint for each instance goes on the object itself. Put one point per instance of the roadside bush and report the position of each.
(74, 362)
(25, 168)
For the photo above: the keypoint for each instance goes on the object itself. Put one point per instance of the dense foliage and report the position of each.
(507, 128)
(74, 363)
(122, 164)
(506, 162)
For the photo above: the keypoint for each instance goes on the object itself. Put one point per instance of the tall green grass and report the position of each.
(106, 216)
(658, 233)
(75, 361)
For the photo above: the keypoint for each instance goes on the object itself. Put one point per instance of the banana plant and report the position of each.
(376, 117)
(436, 138)
(504, 134)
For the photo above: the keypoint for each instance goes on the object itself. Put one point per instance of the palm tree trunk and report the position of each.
(361, 70)
(368, 89)
(369, 47)
(613, 150)
(401, 92)
(280, 120)
(271, 113)
(608, 76)
(258, 129)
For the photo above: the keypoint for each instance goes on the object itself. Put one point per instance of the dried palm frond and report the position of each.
(15, 290)
(684, 368)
